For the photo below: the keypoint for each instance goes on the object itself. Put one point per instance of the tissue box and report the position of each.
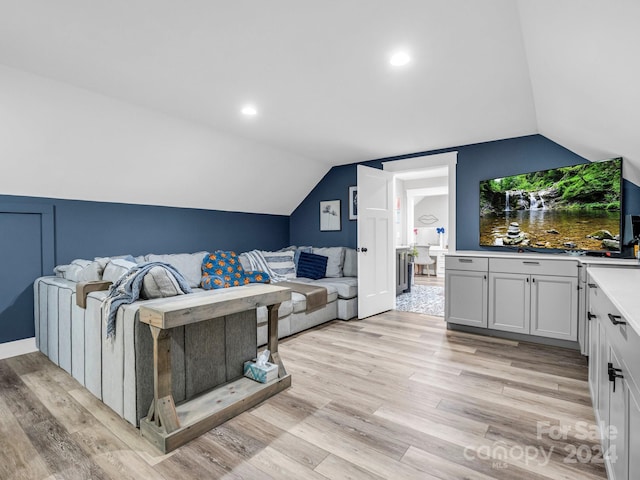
(263, 373)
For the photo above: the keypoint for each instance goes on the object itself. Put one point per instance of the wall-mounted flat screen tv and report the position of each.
(567, 208)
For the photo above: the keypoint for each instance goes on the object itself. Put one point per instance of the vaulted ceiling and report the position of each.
(318, 73)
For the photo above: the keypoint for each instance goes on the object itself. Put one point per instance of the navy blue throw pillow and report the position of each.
(312, 266)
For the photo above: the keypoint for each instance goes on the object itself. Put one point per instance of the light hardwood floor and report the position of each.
(395, 396)
(432, 280)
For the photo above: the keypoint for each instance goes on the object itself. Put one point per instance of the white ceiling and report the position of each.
(319, 75)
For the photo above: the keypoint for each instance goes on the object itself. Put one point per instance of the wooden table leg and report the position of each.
(272, 338)
(163, 410)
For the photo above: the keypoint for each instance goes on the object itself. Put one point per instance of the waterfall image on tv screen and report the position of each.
(569, 208)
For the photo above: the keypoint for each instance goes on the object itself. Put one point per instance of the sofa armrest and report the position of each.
(85, 288)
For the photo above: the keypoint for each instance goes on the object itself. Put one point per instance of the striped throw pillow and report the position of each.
(281, 263)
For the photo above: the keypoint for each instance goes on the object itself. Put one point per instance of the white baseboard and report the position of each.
(19, 347)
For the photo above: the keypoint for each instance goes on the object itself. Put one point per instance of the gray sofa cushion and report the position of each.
(347, 287)
(159, 283)
(350, 268)
(300, 301)
(188, 264)
(81, 270)
(335, 260)
(116, 268)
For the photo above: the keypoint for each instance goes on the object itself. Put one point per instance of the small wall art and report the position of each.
(330, 216)
(353, 203)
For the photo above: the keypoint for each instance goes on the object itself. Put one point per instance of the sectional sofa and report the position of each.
(71, 331)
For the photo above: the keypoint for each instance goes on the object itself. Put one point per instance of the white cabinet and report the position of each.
(614, 372)
(633, 432)
(466, 291)
(440, 254)
(554, 307)
(534, 297)
(509, 302)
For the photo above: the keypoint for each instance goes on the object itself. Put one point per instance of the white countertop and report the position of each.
(622, 287)
(627, 262)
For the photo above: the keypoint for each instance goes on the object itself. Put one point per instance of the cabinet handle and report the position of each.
(529, 262)
(591, 316)
(527, 279)
(533, 280)
(592, 285)
(485, 277)
(614, 319)
(465, 260)
(613, 374)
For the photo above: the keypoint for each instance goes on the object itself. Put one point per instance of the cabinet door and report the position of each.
(554, 307)
(594, 350)
(633, 431)
(603, 382)
(583, 324)
(466, 297)
(617, 450)
(509, 302)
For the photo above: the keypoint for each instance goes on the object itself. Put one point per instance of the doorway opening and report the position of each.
(424, 225)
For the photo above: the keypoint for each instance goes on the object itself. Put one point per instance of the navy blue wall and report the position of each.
(475, 162)
(304, 222)
(88, 229)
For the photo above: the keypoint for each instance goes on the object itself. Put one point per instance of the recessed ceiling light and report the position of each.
(399, 59)
(249, 110)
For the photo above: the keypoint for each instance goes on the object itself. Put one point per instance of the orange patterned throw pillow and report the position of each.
(222, 269)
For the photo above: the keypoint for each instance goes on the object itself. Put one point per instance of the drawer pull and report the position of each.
(614, 319)
(465, 260)
(591, 316)
(529, 262)
(592, 285)
(613, 374)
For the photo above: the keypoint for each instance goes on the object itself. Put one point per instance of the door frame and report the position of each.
(449, 159)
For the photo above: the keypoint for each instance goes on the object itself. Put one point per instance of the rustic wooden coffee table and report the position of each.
(169, 426)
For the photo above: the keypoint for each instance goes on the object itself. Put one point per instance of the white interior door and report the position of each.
(376, 272)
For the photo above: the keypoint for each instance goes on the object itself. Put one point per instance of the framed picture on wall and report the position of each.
(330, 216)
(353, 203)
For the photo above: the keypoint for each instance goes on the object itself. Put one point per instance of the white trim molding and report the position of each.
(449, 160)
(18, 347)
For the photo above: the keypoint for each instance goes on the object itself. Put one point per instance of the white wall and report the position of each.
(437, 205)
(583, 62)
(60, 141)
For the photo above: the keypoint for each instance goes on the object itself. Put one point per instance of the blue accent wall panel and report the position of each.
(85, 229)
(475, 162)
(21, 257)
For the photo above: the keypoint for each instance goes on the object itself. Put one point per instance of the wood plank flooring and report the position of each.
(395, 396)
